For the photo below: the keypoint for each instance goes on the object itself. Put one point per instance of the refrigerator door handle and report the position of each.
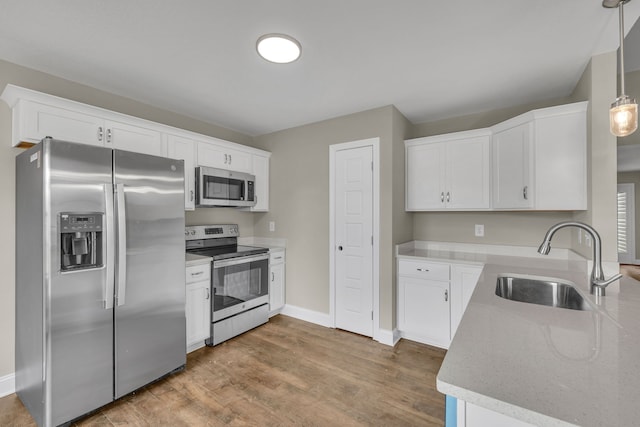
(110, 264)
(122, 246)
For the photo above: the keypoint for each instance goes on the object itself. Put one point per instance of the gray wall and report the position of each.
(299, 201)
(11, 73)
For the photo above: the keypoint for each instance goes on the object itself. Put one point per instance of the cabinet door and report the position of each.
(197, 312)
(464, 279)
(512, 169)
(423, 311)
(39, 121)
(276, 287)
(124, 136)
(468, 173)
(425, 177)
(261, 171)
(222, 157)
(185, 149)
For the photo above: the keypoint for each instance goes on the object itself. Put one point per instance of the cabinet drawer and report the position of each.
(424, 269)
(198, 273)
(276, 257)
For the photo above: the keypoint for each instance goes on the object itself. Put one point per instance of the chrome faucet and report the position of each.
(598, 282)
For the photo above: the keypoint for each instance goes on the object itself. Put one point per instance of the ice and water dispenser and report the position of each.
(80, 241)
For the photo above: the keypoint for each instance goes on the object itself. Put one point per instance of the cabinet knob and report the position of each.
(339, 248)
(446, 295)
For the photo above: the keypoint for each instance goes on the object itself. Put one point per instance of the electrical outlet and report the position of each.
(272, 226)
(479, 230)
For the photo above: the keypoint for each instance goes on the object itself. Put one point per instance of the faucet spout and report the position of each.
(598, 283)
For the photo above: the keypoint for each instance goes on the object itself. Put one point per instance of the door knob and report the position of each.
(339, 248)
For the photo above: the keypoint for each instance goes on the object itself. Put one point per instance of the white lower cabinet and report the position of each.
(432, 297)
(198, 305)
(470, 415)
(276, 281)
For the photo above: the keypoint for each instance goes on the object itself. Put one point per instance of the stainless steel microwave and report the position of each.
(220, 187)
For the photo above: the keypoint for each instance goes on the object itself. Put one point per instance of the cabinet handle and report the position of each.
(192, 195)
(230, 158)
(442, 197)
(226, 156)
(273, 277)
(100, 133)
(108, 135)
(208, 294)
(448, 197)
(277, 257)
(524, 192)
(422, 269)
(197, 274)
(446, 295)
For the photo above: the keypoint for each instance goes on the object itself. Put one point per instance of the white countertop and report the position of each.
(193, 259)
(544, 365)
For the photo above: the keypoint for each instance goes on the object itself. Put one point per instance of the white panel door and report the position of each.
(59, 123)
(468, 176)
(354, 237)
(512, 183)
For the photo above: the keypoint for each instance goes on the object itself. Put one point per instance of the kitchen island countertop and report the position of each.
(544, 365)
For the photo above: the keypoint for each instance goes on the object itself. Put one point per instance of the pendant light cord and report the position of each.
(621, 7)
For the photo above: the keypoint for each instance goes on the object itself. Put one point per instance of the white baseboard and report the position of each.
(7, 385)
(307, 315)
(388, 337)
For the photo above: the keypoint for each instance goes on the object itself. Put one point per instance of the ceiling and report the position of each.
(432, 60)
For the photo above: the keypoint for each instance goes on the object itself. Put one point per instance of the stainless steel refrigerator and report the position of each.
(100, 276)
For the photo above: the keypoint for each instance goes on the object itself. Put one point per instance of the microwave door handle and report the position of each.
(109, 251)
(121, 288)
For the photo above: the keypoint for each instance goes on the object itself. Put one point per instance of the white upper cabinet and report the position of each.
(512, 161)
(182, 148)
(261, 172)
(222, 156)
(449, 171)
(37, 121)
(37, 115)
(540, 160)
(125, 136)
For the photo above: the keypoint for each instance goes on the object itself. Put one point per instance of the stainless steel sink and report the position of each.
(540, 290)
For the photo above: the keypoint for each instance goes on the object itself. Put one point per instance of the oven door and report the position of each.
(239, 284)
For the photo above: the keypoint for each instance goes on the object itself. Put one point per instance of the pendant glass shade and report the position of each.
(623, 116)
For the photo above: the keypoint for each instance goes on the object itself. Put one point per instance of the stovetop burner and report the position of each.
(218, 241)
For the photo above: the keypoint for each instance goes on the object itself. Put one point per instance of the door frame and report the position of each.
(374, 143)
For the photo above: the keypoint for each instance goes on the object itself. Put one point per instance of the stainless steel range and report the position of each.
(239, 280)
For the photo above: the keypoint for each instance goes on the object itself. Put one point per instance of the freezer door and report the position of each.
(150, 281)
(78, 319)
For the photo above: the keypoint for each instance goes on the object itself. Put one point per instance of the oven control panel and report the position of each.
(194, 232)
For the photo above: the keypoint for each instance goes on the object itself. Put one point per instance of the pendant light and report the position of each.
(623, 115)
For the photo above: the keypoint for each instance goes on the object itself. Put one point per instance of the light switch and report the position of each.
(272, 226)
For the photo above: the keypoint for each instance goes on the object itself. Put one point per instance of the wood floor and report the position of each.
(287, 372)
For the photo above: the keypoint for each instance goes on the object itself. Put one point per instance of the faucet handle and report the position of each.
(598, 286)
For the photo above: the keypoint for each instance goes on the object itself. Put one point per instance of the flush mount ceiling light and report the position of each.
(623, 115)
(278, 48)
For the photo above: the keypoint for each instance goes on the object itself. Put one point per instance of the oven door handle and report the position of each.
(239, 260)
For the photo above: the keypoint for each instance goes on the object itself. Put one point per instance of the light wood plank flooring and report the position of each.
(287, 372)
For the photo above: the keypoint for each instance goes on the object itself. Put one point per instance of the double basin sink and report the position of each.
(541, 290)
